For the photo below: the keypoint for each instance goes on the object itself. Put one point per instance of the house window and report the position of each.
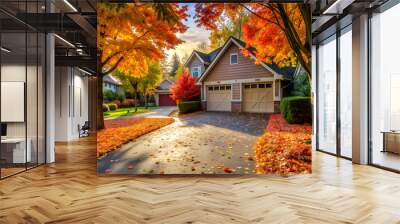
(196, 71)
(210, 88)
(234, 58)
(228, 87)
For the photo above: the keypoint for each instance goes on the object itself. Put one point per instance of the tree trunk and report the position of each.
(100, 116)
(145, 101)
(136, 100)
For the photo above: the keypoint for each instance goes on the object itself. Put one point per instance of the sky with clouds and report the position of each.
(193, 36)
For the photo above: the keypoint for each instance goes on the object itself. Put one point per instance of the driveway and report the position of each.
(206, 143)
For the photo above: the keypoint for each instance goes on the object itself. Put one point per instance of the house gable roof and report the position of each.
(206, 59)
(111, 79)
(165, 84)
(216, 55)
(200, 56)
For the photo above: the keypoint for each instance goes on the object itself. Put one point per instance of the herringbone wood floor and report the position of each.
(70, 191)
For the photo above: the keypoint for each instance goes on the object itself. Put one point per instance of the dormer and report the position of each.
(198, 62)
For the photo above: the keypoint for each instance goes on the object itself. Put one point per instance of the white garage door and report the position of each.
(257, 98)
(219, 98)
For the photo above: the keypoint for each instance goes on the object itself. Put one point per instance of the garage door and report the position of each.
(257, 98)
(219, 98)
(166, 100)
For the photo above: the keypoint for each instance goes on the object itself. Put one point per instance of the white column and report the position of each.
(360, 90)
(313, 93)
(50, 101)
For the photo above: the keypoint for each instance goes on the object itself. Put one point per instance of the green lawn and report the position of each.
(126, 112)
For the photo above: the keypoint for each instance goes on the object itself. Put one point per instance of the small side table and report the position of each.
(391, 141)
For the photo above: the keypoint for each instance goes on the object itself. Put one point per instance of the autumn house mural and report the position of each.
(207, 88)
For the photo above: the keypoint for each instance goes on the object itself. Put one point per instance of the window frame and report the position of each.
(237, 58)
(198, 70)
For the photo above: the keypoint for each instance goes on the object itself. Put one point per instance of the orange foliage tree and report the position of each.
(130, 34)
(185, 87)
(280, 33)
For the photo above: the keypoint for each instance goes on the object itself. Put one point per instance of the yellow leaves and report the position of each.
(129, 34)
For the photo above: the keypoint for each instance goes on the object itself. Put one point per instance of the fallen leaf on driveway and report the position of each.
(228, 170)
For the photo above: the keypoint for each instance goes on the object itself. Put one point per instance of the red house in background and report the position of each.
(163, 95)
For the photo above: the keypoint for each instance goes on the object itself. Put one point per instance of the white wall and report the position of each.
(71, 102)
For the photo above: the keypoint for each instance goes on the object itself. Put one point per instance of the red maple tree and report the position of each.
(185, 87)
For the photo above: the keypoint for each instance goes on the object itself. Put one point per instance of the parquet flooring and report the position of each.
(70, 191)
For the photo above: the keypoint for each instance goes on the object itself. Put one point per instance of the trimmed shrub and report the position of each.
(126, 103)
(188, 106)
(105, 108)
(113, 106)
(296, 109)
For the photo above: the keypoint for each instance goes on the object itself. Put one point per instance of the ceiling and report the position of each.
(74, 22)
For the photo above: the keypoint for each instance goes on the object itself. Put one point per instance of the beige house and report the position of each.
(231, 81)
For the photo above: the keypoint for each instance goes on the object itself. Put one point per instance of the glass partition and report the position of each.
(346, 92)
(22, 91)
(327, 96)
(385, 89)
(14, 155)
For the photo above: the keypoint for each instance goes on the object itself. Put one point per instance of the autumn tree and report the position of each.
(185, 87)
(128, 34)
(179, 71)
(151, 80)
(280, 33)
(174, 64)
(228, 28)
(202, 47)
(130, 83)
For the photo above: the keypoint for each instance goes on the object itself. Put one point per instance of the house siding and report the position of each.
(236, 106)
(194, 62)
(236, 93)
(245, 68)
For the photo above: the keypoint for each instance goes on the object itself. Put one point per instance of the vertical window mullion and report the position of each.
(338, 95)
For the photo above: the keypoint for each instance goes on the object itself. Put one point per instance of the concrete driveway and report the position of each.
(206, 143)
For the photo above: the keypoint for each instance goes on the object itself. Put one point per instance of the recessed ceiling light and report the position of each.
(338, 6)
(86, 72)
(5, 50)
(64, 40)
(70, 5)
